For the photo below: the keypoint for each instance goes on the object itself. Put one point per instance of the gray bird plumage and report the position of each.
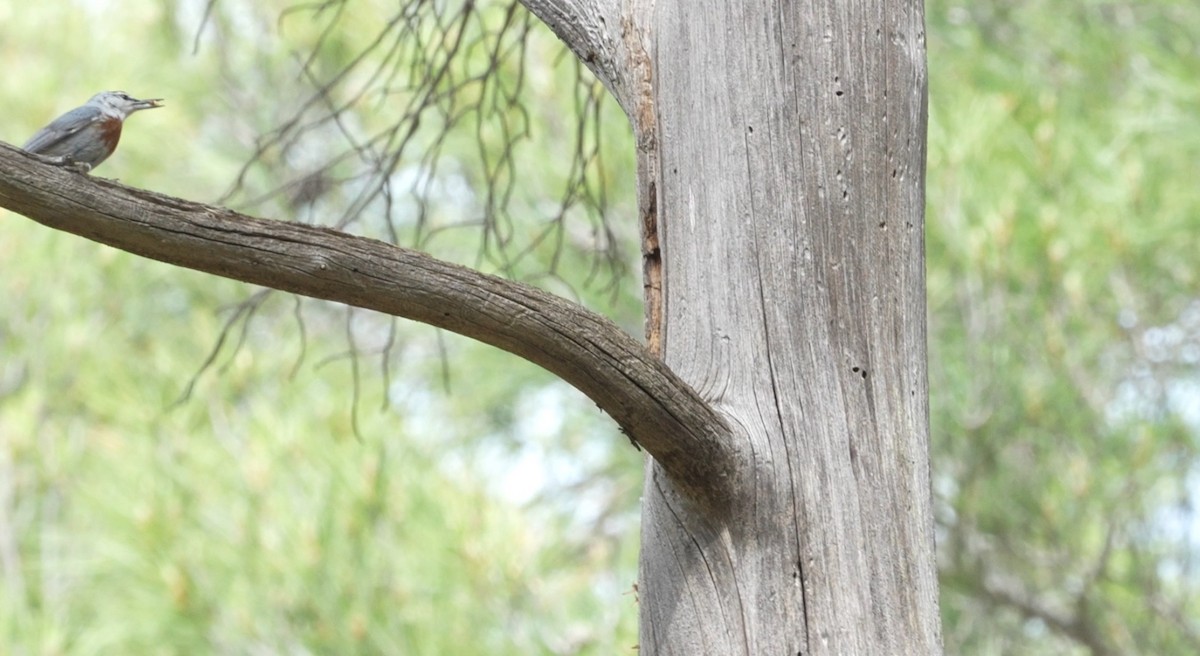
(87, 135)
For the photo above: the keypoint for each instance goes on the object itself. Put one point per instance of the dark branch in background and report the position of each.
(1071, 604)
(241, 315)
(650, 404)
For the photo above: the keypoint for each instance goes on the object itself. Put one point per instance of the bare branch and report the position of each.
(243, 312)
(591, 29)
(649, 402)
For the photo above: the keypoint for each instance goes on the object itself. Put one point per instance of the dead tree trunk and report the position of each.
(783, 150)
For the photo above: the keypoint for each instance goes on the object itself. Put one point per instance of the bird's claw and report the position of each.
(66, 161)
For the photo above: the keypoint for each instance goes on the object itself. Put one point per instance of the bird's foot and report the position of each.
(65, 161)
(78, 167)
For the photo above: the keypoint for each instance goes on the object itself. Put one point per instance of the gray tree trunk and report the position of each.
(791, 202)
(783, 155)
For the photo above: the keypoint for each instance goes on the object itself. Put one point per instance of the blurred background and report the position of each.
(192, 465)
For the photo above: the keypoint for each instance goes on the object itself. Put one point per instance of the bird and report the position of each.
(85, 136)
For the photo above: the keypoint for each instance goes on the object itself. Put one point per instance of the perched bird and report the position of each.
(87, 135)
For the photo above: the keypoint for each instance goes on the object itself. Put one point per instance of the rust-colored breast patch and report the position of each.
(109, 131)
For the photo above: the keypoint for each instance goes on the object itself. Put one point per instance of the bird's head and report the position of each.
(119, 103)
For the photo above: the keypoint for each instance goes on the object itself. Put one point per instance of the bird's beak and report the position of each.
(149, 103)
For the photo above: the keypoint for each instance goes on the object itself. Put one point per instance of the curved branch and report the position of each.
(649, 402)
(585, 26)
(609, 37)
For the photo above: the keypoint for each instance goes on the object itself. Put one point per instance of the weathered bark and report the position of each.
(793, 154)
(790, 153)
(645, 398)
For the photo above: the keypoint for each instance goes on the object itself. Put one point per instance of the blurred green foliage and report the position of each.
(1063, 233)
(300, 500)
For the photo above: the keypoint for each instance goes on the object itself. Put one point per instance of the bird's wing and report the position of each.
(61, 128)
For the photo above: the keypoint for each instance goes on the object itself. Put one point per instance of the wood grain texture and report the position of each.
(650, 403)
(791, 201)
